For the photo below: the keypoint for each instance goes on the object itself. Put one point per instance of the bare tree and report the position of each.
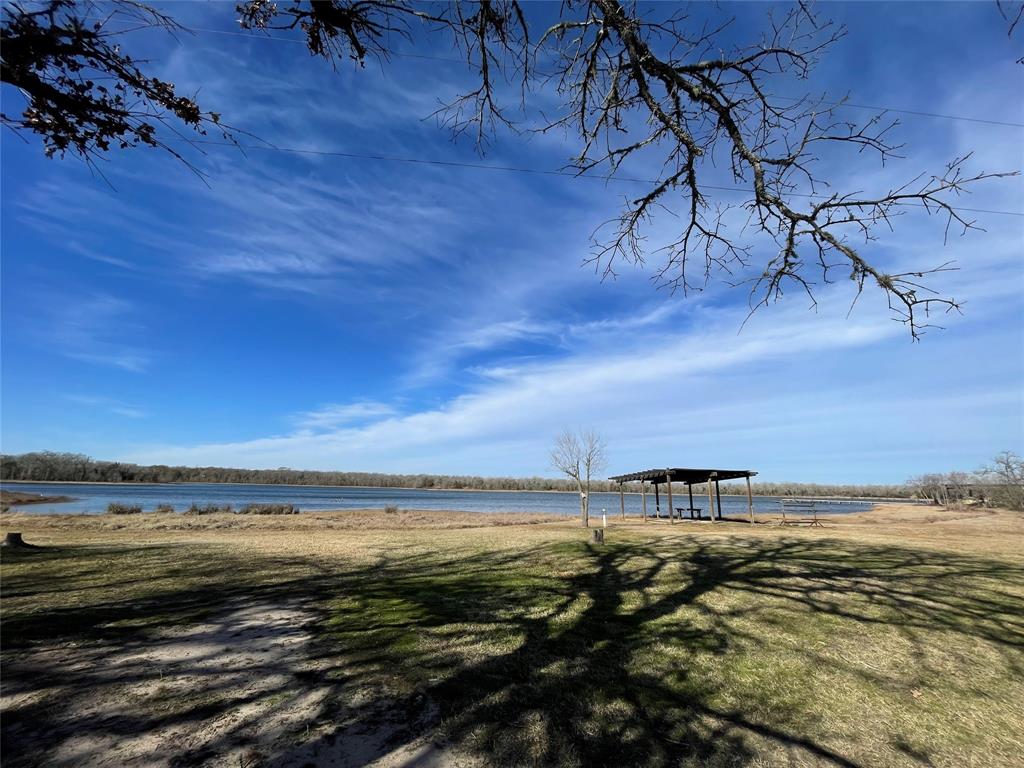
(930, 486)
(1000, 483)
(633, 85)
(1006, 472)
(580, 456)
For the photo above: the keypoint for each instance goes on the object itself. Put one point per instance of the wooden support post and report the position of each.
(622, 502)
(689, 491)
(657, 502)
(643, 498)
(671, 511)
(750, 501)
(718, 498)
(711, 501)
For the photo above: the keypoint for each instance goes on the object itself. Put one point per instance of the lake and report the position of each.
(92, 498)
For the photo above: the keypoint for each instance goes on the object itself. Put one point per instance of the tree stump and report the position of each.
(599, 535)
(14, 540)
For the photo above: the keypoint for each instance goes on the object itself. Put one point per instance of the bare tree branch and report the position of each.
(635, 88)
(1012, 12)
(695, 108)
(83, 93)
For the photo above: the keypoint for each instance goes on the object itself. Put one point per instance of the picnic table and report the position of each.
(691, 510)
(799, 507)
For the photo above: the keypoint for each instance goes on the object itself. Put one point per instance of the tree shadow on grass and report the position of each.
(564, 654)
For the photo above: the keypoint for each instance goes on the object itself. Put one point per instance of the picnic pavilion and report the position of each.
(690, 477)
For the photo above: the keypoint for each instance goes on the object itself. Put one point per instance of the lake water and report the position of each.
(91, 498)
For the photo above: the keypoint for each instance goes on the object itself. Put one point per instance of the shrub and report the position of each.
(123, 509)
(269, 509)
(209, 509)
(164, 508)
(391, 509)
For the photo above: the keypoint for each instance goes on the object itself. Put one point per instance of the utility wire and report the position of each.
(841, 104)
(983, 121)
(514, 169)
(873, 108)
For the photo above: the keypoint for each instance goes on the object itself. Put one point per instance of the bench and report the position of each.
(800, 507)
(691, 510)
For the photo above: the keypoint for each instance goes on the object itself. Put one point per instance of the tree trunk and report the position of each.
(15, 541)
(586, 514)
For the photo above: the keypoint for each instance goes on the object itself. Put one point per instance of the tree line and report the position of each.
(1000, 484)
(42, 466)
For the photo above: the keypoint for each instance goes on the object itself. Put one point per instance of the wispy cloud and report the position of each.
(451, 344)
(92, 329)
(333, 416)
(649, 316)
(108, 404)
(257, 225)
(496, 334)
(628, 389)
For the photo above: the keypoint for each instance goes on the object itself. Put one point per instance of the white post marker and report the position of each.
(604, 519)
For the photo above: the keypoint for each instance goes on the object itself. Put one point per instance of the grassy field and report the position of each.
(891, 638)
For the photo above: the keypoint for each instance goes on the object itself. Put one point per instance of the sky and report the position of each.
(324, 312)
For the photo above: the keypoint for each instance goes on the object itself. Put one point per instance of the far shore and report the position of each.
(895, 499)
(403, 518)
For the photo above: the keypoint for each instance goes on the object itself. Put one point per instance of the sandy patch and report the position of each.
(245, 689)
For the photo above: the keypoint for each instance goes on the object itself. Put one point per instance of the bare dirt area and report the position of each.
(252, 676)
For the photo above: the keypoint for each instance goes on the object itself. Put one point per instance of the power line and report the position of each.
(874, 108)
(983, 121)
(514, 169)
(840, 104)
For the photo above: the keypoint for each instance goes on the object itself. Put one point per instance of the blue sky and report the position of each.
(329, 313)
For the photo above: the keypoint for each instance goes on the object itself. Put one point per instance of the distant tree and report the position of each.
(1007, 473)
(930, 486)
(632, 84)
(580, 456)
(50, 465)
(1000, 483)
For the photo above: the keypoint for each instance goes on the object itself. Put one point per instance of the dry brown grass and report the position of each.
(974, 529)
(354, 519)
(887, 638)
(353, 532)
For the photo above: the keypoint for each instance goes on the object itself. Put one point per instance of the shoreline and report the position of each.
(861, 499)
(293, 485)
(879, 518)
(23, 498)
